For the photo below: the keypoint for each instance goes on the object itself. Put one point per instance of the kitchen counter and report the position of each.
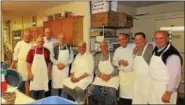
(22, 98)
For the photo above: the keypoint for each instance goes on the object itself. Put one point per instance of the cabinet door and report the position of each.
(56, 27)
(67, 29)
(47, 24)
(40, 31)
(77, 29)
(34, 33)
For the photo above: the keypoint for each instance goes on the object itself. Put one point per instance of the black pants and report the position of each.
(37, 94)
(48, 93)
(21, 87)
(123, 101)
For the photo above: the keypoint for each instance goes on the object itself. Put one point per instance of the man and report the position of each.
(142, 55)
(123, 60)
(106, 78)
(49, 41)
(38, 61)
(81, 74)
(165, 69)
(61, 56)
(20, 53)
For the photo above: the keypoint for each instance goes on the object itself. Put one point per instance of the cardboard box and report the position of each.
(125, 20)
(105, 19)
(112, 19)
(103, 6)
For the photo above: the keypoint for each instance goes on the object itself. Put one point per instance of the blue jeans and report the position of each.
(59, 92)
(103, 98)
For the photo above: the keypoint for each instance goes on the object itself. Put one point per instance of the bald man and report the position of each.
(61, 56)
(38, 63)
(49, 41)
(20, 53)
(81, 74)
(165, 70)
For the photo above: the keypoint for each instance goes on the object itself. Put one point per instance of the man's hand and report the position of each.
(105, 77)
(166, 97)
(75, 79)
(55, 44)
(30, 76)
(123, 62)
(60, 66)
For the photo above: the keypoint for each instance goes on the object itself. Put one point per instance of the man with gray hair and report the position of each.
(106, 77)
(20, 53)
(61, 56)
(81, 74)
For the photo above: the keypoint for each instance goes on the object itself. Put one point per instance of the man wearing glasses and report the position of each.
(123, 59)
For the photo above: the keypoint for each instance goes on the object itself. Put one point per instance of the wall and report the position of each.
(147, 23)
(82, 9)
(162, 8)
(19, 22)
(126, 9)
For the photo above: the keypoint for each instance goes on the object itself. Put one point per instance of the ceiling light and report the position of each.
(175, 28)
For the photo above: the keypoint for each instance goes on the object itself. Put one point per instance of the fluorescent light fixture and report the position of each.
(175, 28)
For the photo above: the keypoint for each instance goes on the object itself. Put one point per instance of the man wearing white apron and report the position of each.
(61, 56)
(49, 41)
(165, 69)
(37, 60)
(123, 60)
(142, 55)
(81, 74)
(20, 53)
(106, 78)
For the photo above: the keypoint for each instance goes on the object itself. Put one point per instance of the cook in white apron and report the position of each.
(142, 80)
(58, 76)
(106, 68)
(159, 74)
(40, 73)
(21, 64)
(80, 67)
(126, 80)
(111, 85)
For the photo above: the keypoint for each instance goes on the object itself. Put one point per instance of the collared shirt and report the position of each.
(18, 47)
(48, 43)
(122, 53)
(71, 55)
(147, 54)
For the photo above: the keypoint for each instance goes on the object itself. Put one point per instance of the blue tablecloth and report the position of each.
(53, 100)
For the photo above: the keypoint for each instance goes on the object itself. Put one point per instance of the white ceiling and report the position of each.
(138, 4)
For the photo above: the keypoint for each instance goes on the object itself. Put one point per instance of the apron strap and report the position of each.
(108, 55)
(42, 50)
(144, 49)
(165, 50)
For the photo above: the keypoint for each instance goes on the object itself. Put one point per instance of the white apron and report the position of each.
(142, 80)
(159, 74)
(21, 64)
(58, 76)
(81, 66)
(106, 68)
(40, 73)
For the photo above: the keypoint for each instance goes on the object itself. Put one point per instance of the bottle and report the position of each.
(3, 81)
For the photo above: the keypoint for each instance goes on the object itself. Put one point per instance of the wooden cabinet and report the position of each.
(36, 31)
(67, 29)
(71, 27)
(56, 27)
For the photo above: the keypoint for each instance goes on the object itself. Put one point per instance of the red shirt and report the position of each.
(31, 54)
